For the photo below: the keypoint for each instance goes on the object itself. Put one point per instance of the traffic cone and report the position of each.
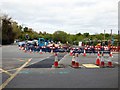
(52, 51)
(111, 55)
(56, 61)
(102, 53)
(102, 64)
(30, 51)
(77, 61)
(73, 61)
(71, 53)
(25, 50)
(84, 54)
(110, 62)
(20, 47)
(98, 53)
(98, 61)
(40, 51)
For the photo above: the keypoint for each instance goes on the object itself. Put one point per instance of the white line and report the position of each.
(39, 61)
(13, 75)
(63, 58)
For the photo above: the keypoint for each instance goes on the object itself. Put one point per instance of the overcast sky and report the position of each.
(71, 16)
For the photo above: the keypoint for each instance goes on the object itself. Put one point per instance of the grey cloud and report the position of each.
(72, 16)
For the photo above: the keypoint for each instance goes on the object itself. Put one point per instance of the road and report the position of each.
(39, 73)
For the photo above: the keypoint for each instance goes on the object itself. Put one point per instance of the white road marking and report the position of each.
(63, 58)
(39, 60)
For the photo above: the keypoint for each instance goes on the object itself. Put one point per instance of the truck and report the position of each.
(42, 42)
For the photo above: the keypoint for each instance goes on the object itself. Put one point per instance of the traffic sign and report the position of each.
(27, 36)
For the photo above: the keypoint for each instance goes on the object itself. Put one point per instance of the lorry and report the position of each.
(42, 42)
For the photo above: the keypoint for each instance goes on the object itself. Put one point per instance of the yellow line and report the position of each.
(13, 75)
(20, 59)
(5, 71)
(10, 70)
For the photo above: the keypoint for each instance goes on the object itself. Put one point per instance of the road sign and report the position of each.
(27, 36)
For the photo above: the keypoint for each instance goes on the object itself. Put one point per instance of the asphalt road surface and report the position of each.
(65, 78)
(46, 63)
(39, 73)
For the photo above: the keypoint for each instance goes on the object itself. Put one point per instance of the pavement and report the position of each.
(39, 73)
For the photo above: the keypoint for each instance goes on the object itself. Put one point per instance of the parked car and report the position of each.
(21, 43)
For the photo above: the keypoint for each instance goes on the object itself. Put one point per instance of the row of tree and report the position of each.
(11, 31)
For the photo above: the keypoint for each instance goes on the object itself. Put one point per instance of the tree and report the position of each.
(16, 29)
(70, 38)
(78, 34)
(60, 36)
(48, 36)
(86, 35)
(25, 29)
(7, 31)
(40, 33)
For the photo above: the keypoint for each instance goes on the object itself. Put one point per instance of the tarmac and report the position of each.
(39, 73)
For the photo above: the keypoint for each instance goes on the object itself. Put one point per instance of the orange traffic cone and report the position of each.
(110, 62)
(98, 61)
(52, 51)
(77, 61)
(102, 62)
(84, 54)
(98, 53)
(40, 51)
(20, 47)
(25, 50)
(73, 61)
(71, 53)
(111, 55)
(30, 51)
(56, 61)
(102, 53)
